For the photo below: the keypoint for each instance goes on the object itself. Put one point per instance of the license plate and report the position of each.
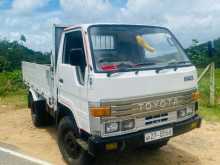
(158, 135)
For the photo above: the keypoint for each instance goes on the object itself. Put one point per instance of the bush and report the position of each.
(11, 83)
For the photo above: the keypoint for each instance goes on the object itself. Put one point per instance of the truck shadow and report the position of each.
(52, 131)
(168, 155)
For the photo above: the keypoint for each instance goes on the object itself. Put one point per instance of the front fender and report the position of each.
(35, 95)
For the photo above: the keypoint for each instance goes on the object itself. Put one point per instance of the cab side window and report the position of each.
(74, 53)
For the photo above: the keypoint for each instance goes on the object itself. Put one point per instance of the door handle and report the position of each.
(61, 80)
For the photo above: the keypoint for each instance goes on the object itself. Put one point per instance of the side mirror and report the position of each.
(76, 55)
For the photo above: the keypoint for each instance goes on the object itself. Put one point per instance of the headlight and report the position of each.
(127, 124)
(181, 113)
(112, 127)
(190, 109)
(186, 111)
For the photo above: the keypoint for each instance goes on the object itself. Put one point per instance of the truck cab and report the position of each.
(116, 84)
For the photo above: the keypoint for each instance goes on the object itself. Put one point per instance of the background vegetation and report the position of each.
(206, 111)
(12, 53)
(199, 53)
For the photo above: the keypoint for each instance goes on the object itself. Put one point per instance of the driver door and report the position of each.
(72, 89)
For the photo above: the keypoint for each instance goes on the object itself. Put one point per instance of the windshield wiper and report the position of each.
(117, 71)
(122, 67)
(178, 62)
(175, 65)
(145, 64)
(142, 65)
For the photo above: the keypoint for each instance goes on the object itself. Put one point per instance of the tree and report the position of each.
(23, 39)
(197, 54)
(3, 64)
(195, 42)
(13, 52)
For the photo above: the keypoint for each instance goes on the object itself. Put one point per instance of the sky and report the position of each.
(197, 19)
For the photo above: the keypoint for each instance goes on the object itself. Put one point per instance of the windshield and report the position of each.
(117, 48)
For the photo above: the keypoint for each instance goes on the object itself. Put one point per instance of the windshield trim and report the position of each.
(149, 68)
(142, 68)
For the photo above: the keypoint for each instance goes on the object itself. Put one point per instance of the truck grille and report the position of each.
(150, 106)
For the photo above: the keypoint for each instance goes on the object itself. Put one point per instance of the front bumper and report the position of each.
(97, 144)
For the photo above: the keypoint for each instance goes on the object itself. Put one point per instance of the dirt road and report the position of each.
(199, 147)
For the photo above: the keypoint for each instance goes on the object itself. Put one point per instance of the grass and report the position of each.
(17, 100)
(12, 90)
(205, 110)
(210, 113)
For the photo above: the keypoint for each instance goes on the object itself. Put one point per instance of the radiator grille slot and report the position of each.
(163, 117)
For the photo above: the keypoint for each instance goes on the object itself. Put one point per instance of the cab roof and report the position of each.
(86, 26)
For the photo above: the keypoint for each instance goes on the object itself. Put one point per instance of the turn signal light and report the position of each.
(195, 96)
(100, 111)
(111, 146)
(194, 125)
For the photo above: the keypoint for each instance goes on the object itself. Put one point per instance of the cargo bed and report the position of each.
(38, 78)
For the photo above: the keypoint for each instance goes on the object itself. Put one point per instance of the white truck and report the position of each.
(111, 87)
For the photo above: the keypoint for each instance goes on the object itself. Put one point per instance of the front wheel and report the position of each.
(72, 152)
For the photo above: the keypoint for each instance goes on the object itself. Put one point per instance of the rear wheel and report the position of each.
(40, 117)
(72, 152)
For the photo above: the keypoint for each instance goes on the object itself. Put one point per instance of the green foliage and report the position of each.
(12, 89)
(3, 63)
(23, 38)
(198, 53)
(209, 113)
(13, 53)
(16, 101)
(11, 83)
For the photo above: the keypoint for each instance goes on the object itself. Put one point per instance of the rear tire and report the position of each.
(72, 152)
(40, 117)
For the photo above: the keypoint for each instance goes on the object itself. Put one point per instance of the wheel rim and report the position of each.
(33, 114)
(70, 145)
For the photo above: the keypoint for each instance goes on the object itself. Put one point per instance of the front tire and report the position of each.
(72, 153)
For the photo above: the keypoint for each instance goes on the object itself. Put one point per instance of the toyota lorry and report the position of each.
(112, 87)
